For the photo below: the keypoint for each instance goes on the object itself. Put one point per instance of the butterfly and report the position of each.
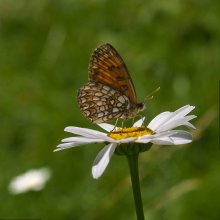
(110, 93)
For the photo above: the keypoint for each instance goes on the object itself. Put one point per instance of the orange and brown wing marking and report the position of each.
(108, 68)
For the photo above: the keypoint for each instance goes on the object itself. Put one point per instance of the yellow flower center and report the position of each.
(135, 132)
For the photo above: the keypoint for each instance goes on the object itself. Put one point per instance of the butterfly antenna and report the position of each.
(150, 96)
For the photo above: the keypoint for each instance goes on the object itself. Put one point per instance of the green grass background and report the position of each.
(44, 53)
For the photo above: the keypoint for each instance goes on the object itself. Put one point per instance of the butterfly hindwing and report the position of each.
(101, 103)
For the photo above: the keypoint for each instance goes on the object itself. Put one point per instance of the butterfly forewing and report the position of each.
(101, 103)
(108, 68)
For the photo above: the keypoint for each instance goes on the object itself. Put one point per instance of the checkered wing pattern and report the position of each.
(101, 103)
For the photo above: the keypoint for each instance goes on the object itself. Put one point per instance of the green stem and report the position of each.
(133, 166)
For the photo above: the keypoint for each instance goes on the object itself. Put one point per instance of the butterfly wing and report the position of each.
(101, 103)
(108, 68)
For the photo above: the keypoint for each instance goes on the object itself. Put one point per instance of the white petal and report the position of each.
(167, 133)
(189, 125)
(139, 122)
(82, 140)
(125, 140)
(102, 159)
(159, 120)
(174, 137)
(144, 139)
(166, 117)
(178, 114)
(107, 127)
(175, 123)
(181, 112)
(162, 141)
(182, 137)
(87, 133)
(67, 145)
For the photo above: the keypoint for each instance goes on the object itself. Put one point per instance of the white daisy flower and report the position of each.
(159, 131)
(32, 180)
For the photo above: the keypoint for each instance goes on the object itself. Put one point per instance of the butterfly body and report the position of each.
(110, 93)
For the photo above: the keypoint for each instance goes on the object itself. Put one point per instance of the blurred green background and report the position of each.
(44, 53)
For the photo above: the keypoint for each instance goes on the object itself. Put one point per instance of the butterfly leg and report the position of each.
(136, 116)
(122, 123)
(143, 122)
(116, 122)
(133, 120)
